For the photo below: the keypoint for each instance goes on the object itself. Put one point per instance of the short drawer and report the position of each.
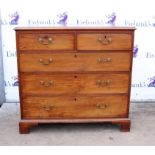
(54, 84)
(75, 107)
(49, 41)
(75, 62)
(104, 41)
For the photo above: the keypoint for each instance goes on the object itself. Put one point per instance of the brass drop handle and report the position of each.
(105, 40)
(45, 40)
(102, 60)
(102, 106)
(48, 107)
(43, 62)
(46, 84)
(100, 82)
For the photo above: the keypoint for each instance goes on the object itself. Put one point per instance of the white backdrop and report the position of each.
(139, 14)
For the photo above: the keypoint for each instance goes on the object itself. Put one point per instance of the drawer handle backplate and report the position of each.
(48, 108)
(100, 83)
(43, 62)
(45, 40)
(46, 84)
(105, 40)
(102, 106)
(103, 60)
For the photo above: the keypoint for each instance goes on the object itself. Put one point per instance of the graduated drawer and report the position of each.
(75, 107)
(74, 83)
(75, 62)
(104, 41)
(49, 41)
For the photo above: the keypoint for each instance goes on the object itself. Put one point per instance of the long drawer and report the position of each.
(75, 62)
(75, 107)
(45, 41)
(74, 83)
(104, 41)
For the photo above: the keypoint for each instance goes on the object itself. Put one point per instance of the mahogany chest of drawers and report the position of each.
(74, 75)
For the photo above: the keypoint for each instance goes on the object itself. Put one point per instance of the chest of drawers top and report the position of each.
(71, 39)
